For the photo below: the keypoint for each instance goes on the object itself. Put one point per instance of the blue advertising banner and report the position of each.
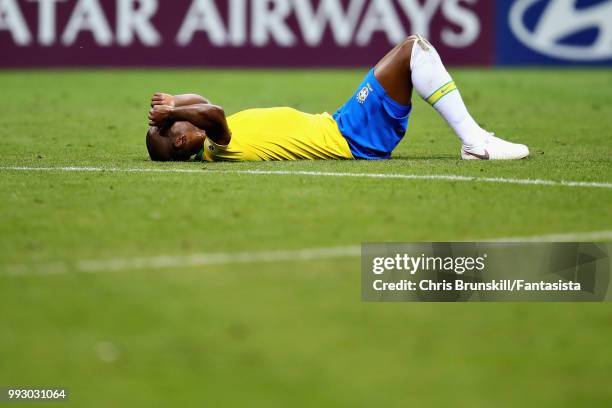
(546, 32)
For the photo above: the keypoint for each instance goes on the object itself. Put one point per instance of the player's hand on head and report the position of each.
(159, 115)
(160, 98)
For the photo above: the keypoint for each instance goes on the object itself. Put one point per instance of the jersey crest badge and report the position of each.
(363, 95)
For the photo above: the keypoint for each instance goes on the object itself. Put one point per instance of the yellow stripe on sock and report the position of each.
(441, 92)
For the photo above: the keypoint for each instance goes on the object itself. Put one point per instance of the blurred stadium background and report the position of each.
(191, 329)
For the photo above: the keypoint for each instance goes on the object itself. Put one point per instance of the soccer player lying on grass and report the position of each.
(368, 126)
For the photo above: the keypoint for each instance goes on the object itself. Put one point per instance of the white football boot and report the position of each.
(494, 148)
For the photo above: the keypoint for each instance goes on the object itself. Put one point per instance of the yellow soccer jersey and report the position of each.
(279, 134)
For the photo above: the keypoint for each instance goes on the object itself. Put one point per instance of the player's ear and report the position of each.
(180, 142)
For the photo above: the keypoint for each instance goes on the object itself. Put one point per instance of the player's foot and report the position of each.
(494, 148)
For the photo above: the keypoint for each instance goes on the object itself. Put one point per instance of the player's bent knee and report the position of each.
(405, 48)
(408, 41)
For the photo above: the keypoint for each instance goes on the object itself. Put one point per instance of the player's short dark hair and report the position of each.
(157, 145)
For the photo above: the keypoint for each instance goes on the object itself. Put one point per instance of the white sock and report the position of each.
(434, 84)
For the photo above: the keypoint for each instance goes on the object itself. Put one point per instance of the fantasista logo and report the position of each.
(575, 30)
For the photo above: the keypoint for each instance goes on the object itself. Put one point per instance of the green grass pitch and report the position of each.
(288, 333)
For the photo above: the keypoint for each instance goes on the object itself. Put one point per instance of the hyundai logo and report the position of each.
(561, 20)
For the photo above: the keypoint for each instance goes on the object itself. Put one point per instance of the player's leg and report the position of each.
(415, 63)
(393, 72)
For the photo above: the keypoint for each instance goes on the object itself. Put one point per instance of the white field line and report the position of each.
(226, 258)
(307, 254)
(440, 177)
(185, 261)
(593, 236)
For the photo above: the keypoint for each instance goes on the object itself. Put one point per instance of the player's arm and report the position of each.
(160, 98)
(210, 118)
